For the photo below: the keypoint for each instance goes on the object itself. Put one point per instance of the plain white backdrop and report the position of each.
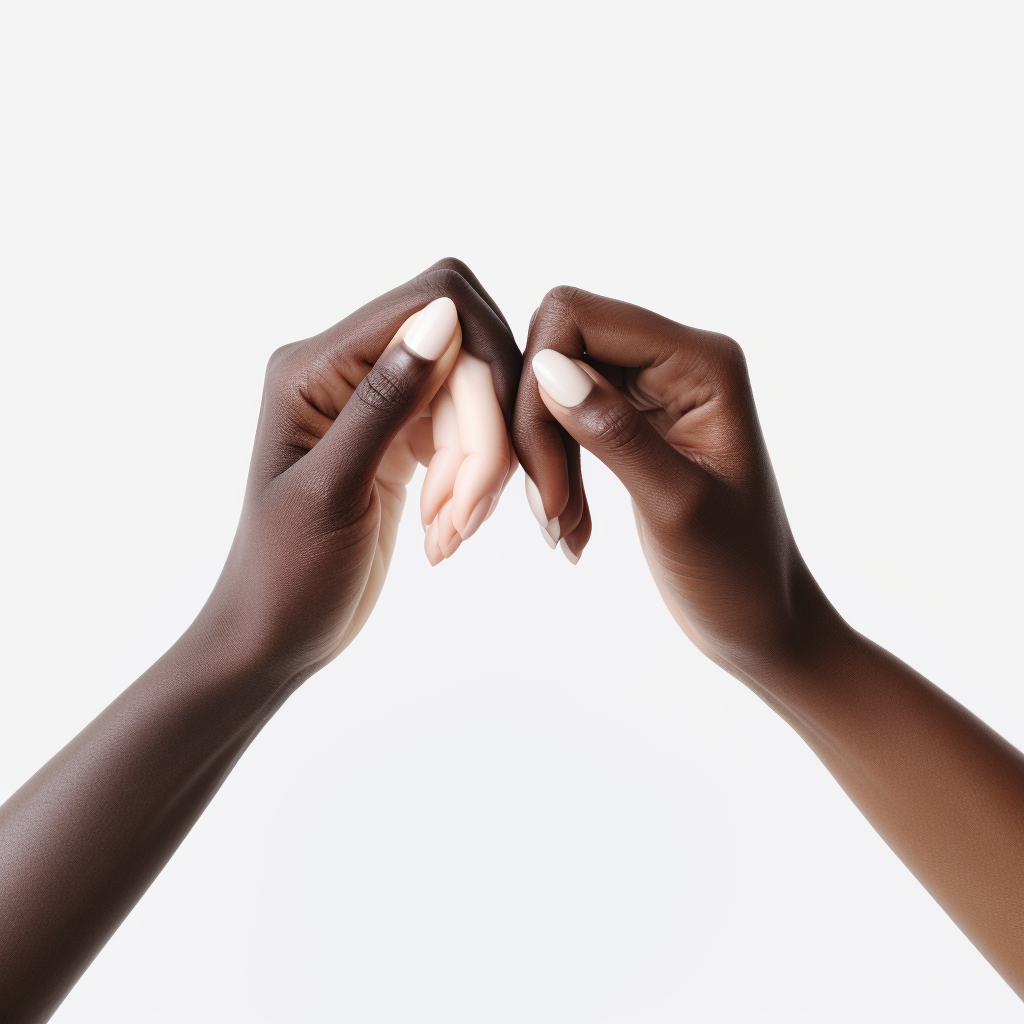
(598, 826)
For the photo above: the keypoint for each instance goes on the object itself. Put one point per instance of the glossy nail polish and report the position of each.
(561, 378)
(567, 551)
(550, 527)
(431, 332)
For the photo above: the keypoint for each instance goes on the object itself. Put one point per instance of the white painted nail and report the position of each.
(561, 378)
(430, 333)
(551, 542)
(568, 552)
(536, 503)
(476, 517)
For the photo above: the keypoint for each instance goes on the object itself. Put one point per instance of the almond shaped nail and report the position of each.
(432, 330)
(567, 551)
(561, 378)
(536, 502)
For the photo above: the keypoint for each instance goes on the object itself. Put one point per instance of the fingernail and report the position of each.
(567, 551)
(552, 543)
(561, 378)
(429, 334)
(536, 502)
(430, 545)
(453, 546)
(476, 517)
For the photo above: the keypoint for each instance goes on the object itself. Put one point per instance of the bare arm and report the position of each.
(669, 409)
(336, 443)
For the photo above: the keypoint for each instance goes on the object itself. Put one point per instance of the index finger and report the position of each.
(338, 359)
(658, 362)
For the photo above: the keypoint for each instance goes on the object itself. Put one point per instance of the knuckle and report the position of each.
(734, 352)
(278, 358)
(452, 263)
(440, 281)
(734, 361)
(561, 300)
(556, 312)
(384, 390)
(618, 429)
(533, 320)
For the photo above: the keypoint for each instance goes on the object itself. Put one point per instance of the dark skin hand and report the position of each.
(83, 839)
(670, 411)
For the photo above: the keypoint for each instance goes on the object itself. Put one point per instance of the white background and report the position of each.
(520, 795)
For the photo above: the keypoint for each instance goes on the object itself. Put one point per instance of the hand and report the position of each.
(669, 410)
(464, 443)
(345, 417)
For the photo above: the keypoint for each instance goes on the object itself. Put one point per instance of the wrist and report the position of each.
(812, 637)
(226, 650)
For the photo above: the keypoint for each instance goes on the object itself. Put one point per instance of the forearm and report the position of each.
(84, 838)
(943, 790)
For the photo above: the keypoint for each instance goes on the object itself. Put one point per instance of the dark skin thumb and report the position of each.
(603, 421)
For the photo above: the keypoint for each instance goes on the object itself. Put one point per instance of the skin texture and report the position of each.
(340, 430)
(345, 418)
(671, 413)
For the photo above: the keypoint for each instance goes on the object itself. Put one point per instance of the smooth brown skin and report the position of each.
(672, 415)
(83, 839)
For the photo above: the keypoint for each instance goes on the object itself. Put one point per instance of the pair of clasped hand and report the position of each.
(430, 373)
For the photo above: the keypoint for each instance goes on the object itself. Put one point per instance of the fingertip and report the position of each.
(536, 502)
(452, 546)
(430, 544)
(561, 378)
(481, 512)
(568, 552)
(446, 531)
(432, 330)
(477, 486)
(575, 541)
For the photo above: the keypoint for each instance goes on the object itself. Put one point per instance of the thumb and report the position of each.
(401, 384)
(660, 480)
